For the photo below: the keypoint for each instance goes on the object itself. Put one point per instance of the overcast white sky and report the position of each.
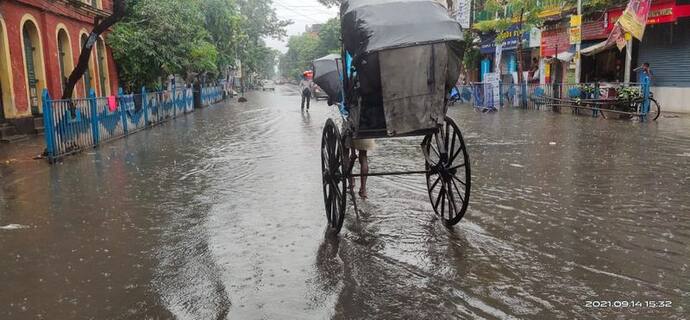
(302, 13)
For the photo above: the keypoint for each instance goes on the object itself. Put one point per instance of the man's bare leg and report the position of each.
(353, 157)
(364, 164)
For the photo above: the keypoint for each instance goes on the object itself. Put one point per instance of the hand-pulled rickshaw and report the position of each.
(399, 61)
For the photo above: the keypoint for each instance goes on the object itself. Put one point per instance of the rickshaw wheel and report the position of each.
(654, 110)
(333, 172)
(448, 175)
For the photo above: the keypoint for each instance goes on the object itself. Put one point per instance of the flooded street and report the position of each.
(220, 215)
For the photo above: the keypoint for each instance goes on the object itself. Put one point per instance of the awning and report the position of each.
(563, 56)
(599, 47)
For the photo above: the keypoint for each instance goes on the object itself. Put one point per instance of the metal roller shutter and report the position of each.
(667, 49)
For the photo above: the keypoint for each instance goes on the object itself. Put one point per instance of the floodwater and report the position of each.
(219, 215)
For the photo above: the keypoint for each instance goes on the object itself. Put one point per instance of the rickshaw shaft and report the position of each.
(379, 174)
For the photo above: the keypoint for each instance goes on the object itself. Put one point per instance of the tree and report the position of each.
(329, 37)
(330, 3)
(302, 50)
(161, 38)
(259, 20)
(224, 24)
(119, 12)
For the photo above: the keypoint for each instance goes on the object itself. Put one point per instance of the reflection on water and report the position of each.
(219, 215)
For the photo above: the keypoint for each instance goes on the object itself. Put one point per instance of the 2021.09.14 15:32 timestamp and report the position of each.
(653, 304)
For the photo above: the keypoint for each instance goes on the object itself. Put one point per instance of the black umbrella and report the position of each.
(327, 76)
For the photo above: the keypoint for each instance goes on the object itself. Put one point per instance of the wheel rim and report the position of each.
(448, 174)
(334, 181)
(654, 110)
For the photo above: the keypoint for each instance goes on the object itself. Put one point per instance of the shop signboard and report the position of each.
(575, 31)
(665, 11)
(554, 38)
(595, 29)
(575, 20)
(575, 35)
(492, 84)
(499, 54)
(634, 18)
(535, 38)
(462, 10)
(510, 39)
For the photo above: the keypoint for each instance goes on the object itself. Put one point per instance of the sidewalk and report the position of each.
(22, 151)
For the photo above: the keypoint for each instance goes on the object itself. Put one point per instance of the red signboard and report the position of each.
(554, 39)
(595, 30)
(662, 11)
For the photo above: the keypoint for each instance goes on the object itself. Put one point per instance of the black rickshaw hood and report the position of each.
(373, 25)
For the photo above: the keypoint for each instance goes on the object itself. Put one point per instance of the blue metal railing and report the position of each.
(485, 96)
(211, 95)
(75, 125)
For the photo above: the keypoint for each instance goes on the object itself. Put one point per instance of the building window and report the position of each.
(88, 75)
(103, 68)
(34, 65)
(65, 58)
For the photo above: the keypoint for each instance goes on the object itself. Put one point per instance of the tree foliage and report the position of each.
(507, 12)
(259, 21)
(304, 48)
(192, 37)
(330, 3)
(329, 37)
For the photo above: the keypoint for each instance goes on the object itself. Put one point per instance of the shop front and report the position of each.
(503, 58)
(666, 47)
(557, 53)
(604, 66)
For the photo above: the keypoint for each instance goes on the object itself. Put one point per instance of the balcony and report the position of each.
(91, 7)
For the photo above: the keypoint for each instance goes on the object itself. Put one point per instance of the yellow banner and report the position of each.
(631, 24)
(575, 35)
(575, 20)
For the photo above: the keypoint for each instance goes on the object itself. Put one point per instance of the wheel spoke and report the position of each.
(455, 155)
(338, 194)
(443, 201)
(451, 198)
(333, 212)
(446, 136)
(451, 203)
(334, 159)
(458, 179)
(436, 151)
(458, 190)
(438, 199)
(329, 202)
(326, 160)
(452, 148)
(457, 167)
(433, 185)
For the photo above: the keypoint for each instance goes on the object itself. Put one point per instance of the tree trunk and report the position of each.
(119, 11)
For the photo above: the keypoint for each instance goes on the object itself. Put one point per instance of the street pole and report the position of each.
(519, 47)
(628, 59)
(523, 103)
(578, 47)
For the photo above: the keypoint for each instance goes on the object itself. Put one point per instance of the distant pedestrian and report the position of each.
(644, 71)
(305, 87)
(534, 74)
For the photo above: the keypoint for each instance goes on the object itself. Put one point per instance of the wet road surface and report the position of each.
(219, 215)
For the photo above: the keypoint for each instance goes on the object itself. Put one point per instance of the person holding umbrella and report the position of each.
(305, 87)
